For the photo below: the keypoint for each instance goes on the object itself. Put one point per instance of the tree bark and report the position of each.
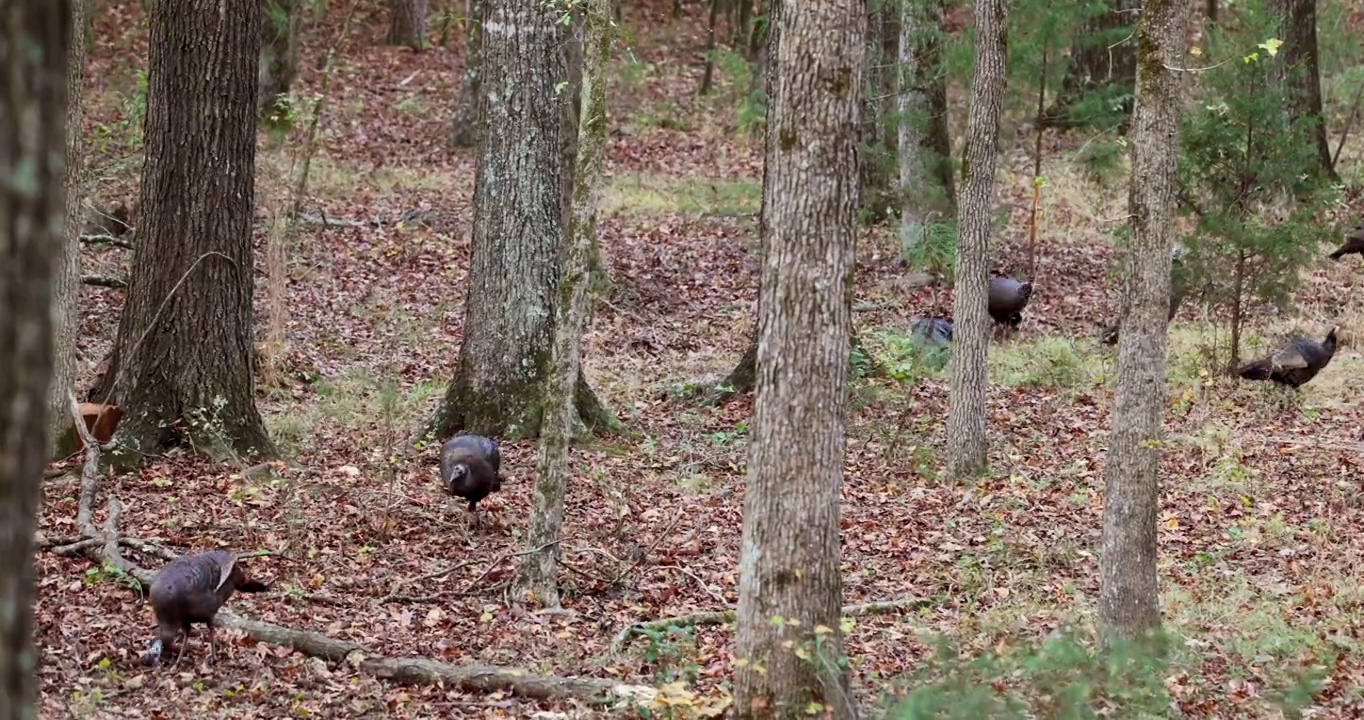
(282, 25)
(877, 163)
(789, 562)
(926, 188)
(539, 567)
(970, 341)
(518, 230)
(66, 282)
(183, 358)
(1300, 57)
(407, 23)
(467, 113)
(1128, 604)
(1102, 57)
(34, 35)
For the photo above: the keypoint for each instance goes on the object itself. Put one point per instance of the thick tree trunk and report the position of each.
(539, 568)
(1103, 58)
(34, 35)
(518, 228)
(66, 282)
(407, 23)
(1128, 604)
(877, 163)
(926, 190)
(183, 359)
(1304, 76)
(467, 113)
(970, 376)
(283, 25)
(789, 562)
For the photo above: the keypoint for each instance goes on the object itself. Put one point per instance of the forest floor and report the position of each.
(1259, 553)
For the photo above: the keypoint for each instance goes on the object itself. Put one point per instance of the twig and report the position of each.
(621, 576)
(723, 617)
(89, 472)
(1345, 131)
(106, 239)
(393, 592)
(1357, 447)
(107, 281)
(503, 558)
(718, 597)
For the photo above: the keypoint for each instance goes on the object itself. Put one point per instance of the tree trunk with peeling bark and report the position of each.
(1299, 34)
(183, 361)
(926, 187)
(789, 567)
(283, 25)
(407, 23)
(1128, 602)
(66, 282)
(552, 472)
(34, 35)
(518, 230)
(970, 342)
(468, 116)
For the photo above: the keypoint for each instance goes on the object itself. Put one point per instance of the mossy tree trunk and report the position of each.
(283, 25)
(1304, 77)
(538, 569)
(66, 282)
(34, 35)
(789, 567)
(518, 229)
(183, 357)
(927, 194)
(407, 23)
(966, 443)
(467, 114)
(1128, 603)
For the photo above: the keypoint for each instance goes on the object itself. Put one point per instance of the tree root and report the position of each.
(724, 617)
(104, 547)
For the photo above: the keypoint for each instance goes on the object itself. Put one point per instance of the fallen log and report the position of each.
(105, 281)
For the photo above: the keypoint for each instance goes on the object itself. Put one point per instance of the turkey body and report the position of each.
(469, 466)
(1354, 242)
(1006, 300)
(1294, 364)
(191, 589)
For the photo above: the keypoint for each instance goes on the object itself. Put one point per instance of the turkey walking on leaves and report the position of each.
(469, 467)
(1294, 364)
(1354, 242)
(191, 589)
(1007, 298)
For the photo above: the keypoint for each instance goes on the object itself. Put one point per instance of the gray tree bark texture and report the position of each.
(927, 194)
(1299, 36)
(467, 113)
(790, 586)
(66, 282)
(283, 25)
(33, 50)
(407, 23)
(184, 356)
(970, 375)
(1128, 605)
(552, 470)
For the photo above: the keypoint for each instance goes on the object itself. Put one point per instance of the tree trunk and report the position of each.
(1103, 58)
(879, 137)
(927, 194)
(1128, 605)
(789, 562)
(467, 113)
(407, 23)
(1300, 57)
(66, 282)
(570, 102)
(183, 359)
(282, 25)
(34, 35)
(970, 341)
(575, 283)
(518, 229)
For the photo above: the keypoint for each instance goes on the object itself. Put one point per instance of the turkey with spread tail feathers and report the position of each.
(469, 467)
(1294, 364)
(191, 589)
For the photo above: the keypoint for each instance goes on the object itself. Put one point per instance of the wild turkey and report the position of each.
(1354, 242)
(190, 589)
(1294, 364)
(469, 467)
(1007, 298)
(1179, 287)
(937, 331)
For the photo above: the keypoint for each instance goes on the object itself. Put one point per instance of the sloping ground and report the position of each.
(1259, 508)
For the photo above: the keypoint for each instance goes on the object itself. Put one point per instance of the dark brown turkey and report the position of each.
(191, 589)
(469, 467)
(1007, 298)
(1294, 364)
(1179, 287)
(1354, 242)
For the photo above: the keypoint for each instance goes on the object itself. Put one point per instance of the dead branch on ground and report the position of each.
(106, 239)
(107, 281)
